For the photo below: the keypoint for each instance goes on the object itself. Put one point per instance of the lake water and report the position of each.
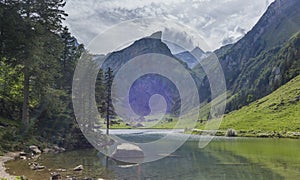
(223, 158)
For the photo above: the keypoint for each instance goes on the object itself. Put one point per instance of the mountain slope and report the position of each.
(265, 58)
(276, 26)
(191, 58)
(278, 111)
(148, 85)
(267, 72)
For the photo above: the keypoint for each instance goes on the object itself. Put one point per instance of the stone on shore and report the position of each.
(58, 149)
(36, 166)
(78, 168)
(35, 149)
(55, 176)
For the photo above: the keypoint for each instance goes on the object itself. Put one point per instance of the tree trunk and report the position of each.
(108, 102)
(107, 117)
(25, 108)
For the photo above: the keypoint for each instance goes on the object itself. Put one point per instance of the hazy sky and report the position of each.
(219, 22)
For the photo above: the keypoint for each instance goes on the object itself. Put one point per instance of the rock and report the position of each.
(69, 178)
(24, 178)
(48, 150)
(78, 168)
(23, 157)
(36, 166)
(231, 133)
(127, 152)
(55, 176)
(23, 153)
(14, 155)
(58, 149)
(35, 149)
(61, 170)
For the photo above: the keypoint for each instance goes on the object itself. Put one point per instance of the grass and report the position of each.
(277, 112)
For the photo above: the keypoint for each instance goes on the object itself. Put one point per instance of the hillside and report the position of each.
(278, 112)
(265, 58)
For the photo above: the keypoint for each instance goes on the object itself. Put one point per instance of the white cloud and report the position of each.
(216, 21)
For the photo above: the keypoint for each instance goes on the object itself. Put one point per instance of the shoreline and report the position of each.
(3, 173)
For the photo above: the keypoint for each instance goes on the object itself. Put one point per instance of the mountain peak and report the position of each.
(156, 35)
(197, 50)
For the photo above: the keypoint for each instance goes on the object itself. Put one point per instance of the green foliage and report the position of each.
(38, 58)
(267, 72)
(10, 89)
(278, 112)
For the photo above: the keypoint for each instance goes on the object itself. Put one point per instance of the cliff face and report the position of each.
(262, 60)
(275, 27)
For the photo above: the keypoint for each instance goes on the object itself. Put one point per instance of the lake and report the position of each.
(223, 158)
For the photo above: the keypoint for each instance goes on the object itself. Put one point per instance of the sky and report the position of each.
(218, 22)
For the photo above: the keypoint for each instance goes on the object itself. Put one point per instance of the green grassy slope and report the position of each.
(279, 111)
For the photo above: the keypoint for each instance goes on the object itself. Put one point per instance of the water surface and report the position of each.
(224, 158)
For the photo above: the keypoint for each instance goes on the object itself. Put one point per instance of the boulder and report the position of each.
(36, 166)
(24, 178)
(23, 153)
(23, 157)
(35, 149)
(127, 151)
(14, 155)
(58, 149)
(71, 178)
(48, 150)
(55, 176)
(61, 170)
(78, 168)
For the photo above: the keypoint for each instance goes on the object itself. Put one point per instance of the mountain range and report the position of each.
(266, 58)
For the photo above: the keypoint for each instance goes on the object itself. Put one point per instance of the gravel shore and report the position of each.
(3, 173)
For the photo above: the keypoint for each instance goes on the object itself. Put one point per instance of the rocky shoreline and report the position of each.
(32, 152)
(3, 173)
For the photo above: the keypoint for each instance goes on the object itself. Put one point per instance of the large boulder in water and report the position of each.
(128, 153)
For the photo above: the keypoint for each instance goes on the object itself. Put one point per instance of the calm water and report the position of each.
(222, 159)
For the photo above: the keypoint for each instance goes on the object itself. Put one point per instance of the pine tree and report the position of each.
(109, 110)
